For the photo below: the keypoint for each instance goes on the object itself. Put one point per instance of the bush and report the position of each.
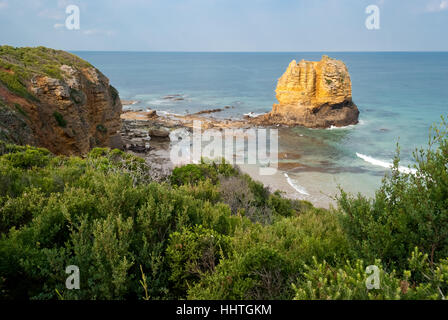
(14, 84)
(60, 119)
(102, 214)
(235, 192)
(194, 253)
(211, 232)
(267, 259)
(408, 211)
(240, 192)
(321, 281)
(33, 157)
(101, 128)
(191, 174)
(259, 273)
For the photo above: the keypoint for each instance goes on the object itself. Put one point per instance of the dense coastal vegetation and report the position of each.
(211, 232)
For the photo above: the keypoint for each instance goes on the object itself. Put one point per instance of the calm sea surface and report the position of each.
(399, 96)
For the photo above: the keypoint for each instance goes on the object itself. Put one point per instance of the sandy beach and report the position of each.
(304, 186)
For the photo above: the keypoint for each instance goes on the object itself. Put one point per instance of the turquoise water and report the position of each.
(399, 96)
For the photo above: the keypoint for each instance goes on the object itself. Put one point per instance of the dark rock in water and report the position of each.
(174, 97)
(208, 111)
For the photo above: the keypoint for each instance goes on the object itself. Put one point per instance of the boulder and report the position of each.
(152, 114)
(159, 133)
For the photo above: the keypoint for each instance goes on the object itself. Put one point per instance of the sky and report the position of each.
(227, 25)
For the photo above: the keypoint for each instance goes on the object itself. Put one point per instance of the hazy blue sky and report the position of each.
(227, 25)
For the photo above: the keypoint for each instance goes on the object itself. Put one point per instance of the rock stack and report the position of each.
(313, 94)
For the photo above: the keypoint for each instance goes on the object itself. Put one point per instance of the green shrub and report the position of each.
(14, 84)
(100, 213)
(212, 232)
(60, 119)
(408, 211)
(194, 253)
(240, 192)
(21, 64)
(33, 157)
(268, 259)
(52, 71)
(193, 173)
(20, 110)
(101, 128)
(16, 212)
(322, 281)
(188, 174)
(259, 273)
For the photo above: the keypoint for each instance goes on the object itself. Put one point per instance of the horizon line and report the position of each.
(319, 51)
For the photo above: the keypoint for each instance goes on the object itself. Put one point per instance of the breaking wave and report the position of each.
(296, 187)
(384, 164)
(351, 126)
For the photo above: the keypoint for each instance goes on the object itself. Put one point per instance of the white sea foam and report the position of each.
(351, 126)
(132, 102)
(157, 102)
(253, 114)
(385, 164)
(166, 113)
(296, 187)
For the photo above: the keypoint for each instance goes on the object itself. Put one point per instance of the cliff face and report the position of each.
(314, 94)
(56, 100)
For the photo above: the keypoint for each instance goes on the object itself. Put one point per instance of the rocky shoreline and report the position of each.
(150, 136)
(147, 134)
(72, 108)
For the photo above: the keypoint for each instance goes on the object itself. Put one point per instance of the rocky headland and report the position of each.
(54, 99)
(313, 94)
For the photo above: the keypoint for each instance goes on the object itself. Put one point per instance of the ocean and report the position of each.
(399, 95)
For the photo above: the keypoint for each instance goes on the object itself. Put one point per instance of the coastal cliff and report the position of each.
(315, 94)
(54, 99)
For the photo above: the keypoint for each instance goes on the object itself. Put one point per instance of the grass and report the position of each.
(20, 110)
(15, 85)
(19, 65)
(39, 60)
